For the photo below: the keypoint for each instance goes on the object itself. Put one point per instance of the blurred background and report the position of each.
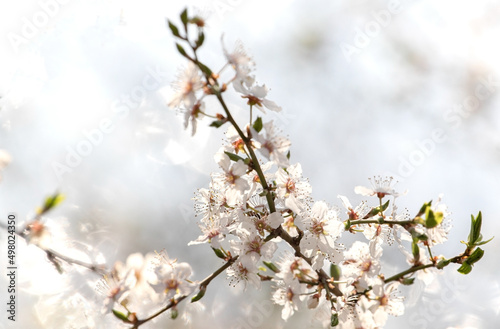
(402, 88)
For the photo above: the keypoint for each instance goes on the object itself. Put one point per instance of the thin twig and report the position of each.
(202, 286)
(52, 255)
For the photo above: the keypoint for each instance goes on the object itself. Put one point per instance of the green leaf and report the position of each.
(288, 155)
(334, 320)
(173, 28)
(219, 253)
(234, 157)
(385, 205)
(121, 316)
(199, 295)
(181, 50)
(408, 281)
(475, 256)
(483, 242)
(257, 125)
(184, 17)
(271, 266)
(433, 219)
(475, 229)
(465, 268)
(415, 250)
(378, 209)
(335, 272)
(51, 202)
(418, 236)
(218, 123)
(424, 208)
(205, 69)
(201, 38)
(174, 313)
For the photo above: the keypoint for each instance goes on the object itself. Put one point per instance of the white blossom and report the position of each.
(240, 61)
(172, 278)
(293, 188)
(245, 270)
(322, 228)
(255, 94)
(272, 146)
(185, 87)
(362, 263)
(289, 295)
(380, 188)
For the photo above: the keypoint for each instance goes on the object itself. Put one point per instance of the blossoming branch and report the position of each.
(258, 216)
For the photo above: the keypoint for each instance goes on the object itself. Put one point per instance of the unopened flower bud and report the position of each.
(313, 301)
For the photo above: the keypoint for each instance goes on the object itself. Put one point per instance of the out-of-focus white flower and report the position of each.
(37, 233)
(188, 82)
(240, 61)
(5, 159)
(192, 114)
(184, 99)
(172, 278)
(380, 188)
(141, 274)
(68, 308)
(114, 287)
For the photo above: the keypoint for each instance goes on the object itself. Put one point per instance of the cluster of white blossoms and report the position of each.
(258, 216)
(255, 202)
